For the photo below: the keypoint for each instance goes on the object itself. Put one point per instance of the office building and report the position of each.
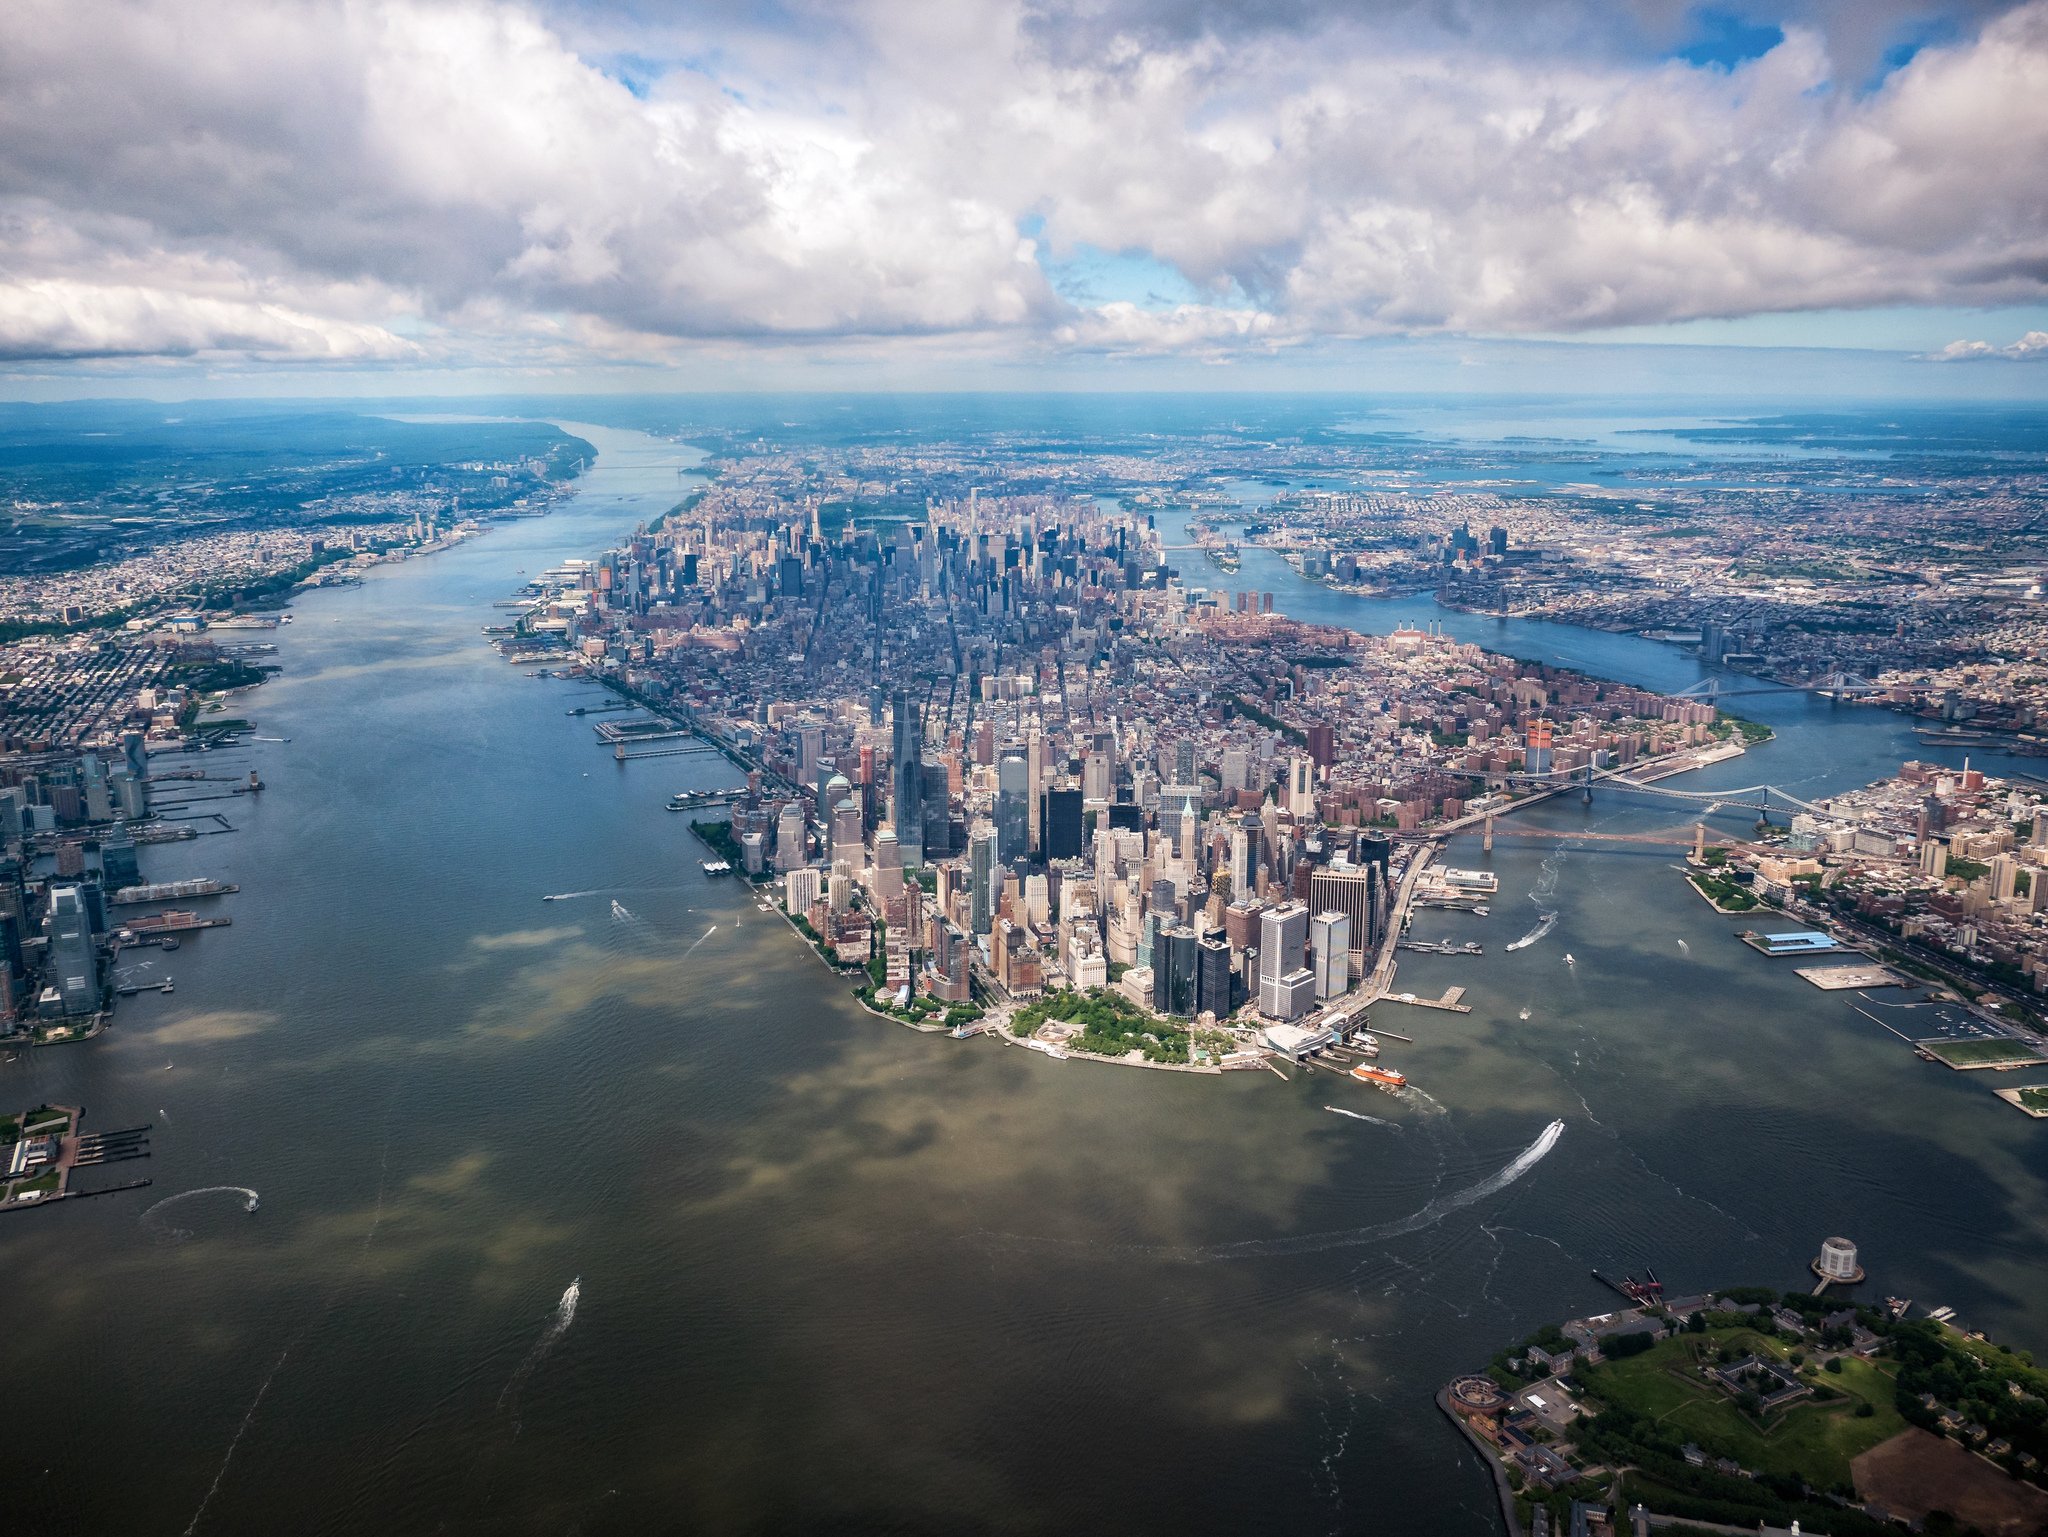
(981, 876)
(1013, 808)
(1062, 824)
(74, 959)
(1214, 981)
(1301, 786)
(908, 769)
(1330, 944)
(118, 863)
(1283, 941)
(791, 846)
(1355, 892)
(92, 781)
(1174, 974)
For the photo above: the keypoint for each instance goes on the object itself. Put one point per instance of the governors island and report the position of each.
(1007, 764)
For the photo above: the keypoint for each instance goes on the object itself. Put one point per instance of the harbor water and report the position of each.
(615, 1214)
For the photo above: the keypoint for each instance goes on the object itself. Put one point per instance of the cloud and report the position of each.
(2031, 348)
(1124, 327)
(379, 182)
(53, 318)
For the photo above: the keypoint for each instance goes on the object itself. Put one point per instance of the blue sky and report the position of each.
(1255, 192)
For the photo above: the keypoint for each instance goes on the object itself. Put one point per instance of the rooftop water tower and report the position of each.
(1837, 1262)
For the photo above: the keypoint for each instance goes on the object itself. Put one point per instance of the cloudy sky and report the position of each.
(831, 191)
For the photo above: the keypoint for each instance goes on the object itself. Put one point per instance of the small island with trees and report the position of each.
(1749, 1409)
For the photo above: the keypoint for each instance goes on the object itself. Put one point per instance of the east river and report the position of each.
(832, 1275)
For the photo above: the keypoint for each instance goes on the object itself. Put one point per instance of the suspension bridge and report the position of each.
(1762, 799)
(1837, 684)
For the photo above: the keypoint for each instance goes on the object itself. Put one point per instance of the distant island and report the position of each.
(1748, 1409)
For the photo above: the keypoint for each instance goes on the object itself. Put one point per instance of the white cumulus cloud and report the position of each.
(468, 181)
(2032, 347)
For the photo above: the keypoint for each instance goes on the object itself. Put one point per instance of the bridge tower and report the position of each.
(1486, 843)
(1587, 794)
(1699, 843)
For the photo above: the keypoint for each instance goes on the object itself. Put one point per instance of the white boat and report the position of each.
(1568, 959)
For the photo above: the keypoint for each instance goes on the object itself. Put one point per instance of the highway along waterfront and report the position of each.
(615, 1213)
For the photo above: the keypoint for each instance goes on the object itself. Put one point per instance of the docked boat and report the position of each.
(1383, 1077)
(718, 867)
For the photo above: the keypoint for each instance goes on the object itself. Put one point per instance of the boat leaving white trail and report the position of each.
(620, 913)
(701, 938)
(1370, 1120)
(250, 1202)
(1429, 1216)
(565, 1315)
(1544, 925)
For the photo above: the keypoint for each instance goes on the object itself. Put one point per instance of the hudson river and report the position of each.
(832, 1275)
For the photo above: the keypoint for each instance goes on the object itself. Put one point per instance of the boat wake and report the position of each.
(566, 896)
(1428, 1216)
(1539, 897)
(1684, 948)
(557, 1326)
(700, 939)
(621, 913)
(163, 1229)
(1370, 1120)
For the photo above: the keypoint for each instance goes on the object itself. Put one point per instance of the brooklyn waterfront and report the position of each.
(617, 1213)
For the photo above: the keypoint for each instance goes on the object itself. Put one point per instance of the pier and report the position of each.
(643, 730)
(1449, 1002)
(36, 1168)
(619, 753)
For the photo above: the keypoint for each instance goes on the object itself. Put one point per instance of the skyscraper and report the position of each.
(118, 864)
(1330, 940)
(1013, 808)
(1062, 822)
(1350, 890)
(1174, 972)
(1283, 937)
(1301, 786)
(99, 801)
(1212, 977)
(981, 876)
(909, 775)
(74, 961)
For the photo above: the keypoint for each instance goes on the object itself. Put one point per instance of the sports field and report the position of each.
(1966, 1054)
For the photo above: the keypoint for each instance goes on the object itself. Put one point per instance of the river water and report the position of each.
(831, 1274)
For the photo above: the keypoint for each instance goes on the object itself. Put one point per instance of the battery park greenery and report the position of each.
(1752, 1407)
